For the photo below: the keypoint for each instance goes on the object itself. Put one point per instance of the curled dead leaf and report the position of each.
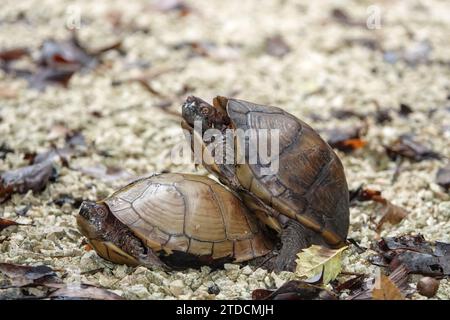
(378, 288)
(83, 292)
(407, 147)
(21, 276)
(346, 139)
(385, 289)
(392, 214)
(294, 290)
(34, 177)
(415, 253)
(5, 223)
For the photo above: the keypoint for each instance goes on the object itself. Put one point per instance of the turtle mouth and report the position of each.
(185, 125)
(86, 228)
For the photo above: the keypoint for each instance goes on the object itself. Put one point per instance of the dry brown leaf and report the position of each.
(407, 147)
(5, 223)
(385, 289)
(392, 214)
(415, 253)
(347, 139)
(34, 177)
(20, 275)
(84, 292)
(294, 290)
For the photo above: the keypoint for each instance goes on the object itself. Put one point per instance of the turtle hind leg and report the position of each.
(294, 237)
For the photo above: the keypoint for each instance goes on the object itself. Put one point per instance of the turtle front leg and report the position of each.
(133, 246)
(294, 237)
(150, 259)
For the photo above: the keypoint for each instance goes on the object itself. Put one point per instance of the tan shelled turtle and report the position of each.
(174, 220)
(305, 199)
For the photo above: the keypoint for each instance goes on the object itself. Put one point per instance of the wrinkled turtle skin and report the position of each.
(173, 221)
(306, 200)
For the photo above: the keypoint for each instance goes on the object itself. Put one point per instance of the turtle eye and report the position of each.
(204, 110)
(101, 212)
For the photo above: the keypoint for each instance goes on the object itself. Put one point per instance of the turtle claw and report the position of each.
(151, 260)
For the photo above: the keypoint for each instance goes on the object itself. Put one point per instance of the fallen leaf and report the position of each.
(398, 278)
(385, 289)
(405, 242)
(75, 145)
(352, 284)
(346, 139)
(365, 194)
(83, 292)
(407, 147)
(58, 61)
(392, 214)
(5, 223)
(276, 46)
(13, 54)
(415, 253)
(294, 290)
(21, 276)
(34, 177)
(443, 177)
(316, 259)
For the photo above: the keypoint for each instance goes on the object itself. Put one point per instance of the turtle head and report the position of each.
(196, 111)
(91, 219)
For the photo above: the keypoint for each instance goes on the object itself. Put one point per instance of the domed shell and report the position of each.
(310, 184)
(190, 214)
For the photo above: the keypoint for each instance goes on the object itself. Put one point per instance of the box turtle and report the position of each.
(306, 199)
(175, 221)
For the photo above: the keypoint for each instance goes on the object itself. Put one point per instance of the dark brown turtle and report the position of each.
(174, 220)
(306, 200)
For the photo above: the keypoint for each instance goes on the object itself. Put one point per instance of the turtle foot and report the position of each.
(294, 237)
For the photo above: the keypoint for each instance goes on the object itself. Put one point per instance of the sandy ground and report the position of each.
(321, 73)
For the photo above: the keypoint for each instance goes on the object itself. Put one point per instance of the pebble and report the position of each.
(177, 287)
